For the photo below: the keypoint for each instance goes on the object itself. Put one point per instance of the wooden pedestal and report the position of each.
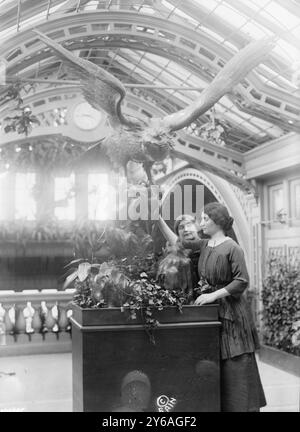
(117, 368)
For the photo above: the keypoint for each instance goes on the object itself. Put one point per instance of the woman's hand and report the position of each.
(205, 299)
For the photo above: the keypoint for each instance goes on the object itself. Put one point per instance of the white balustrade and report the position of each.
(35, 322)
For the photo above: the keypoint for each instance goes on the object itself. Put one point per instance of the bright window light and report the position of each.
(255, 31)
(3, 177)
(170, 79)
(235, 19)
(64, 198)
(179, 12)
(33, 19)
(144, 74)
(259, 3)
(281, 15)
(181, 96)
(101, 197)
(178, 70)
(25, 202)
(194, 81)
(92, 5)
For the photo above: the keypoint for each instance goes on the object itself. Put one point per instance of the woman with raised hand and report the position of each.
(222, 271)
(178, 269)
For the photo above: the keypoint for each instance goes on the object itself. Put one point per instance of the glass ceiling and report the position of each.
(229, 23)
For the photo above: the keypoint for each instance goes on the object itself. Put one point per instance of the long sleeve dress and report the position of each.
(223, 266)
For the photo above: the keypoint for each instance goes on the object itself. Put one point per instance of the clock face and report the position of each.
(86, 117)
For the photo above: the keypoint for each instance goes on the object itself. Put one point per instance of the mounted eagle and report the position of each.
(148, 142)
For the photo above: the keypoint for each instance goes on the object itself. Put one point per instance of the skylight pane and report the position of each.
(208, 4)
(151, 66)
(296, 32)
(178, 12)
(272, 130)
(194, 81)
(282, 15)
(288, 51)
(146, 76)
(186, 17)
(245, 125)
(181, 96)
(255, 31)
(91, 5)
(157, 59)
(241, 113)
(178, 70)
(132, 54)
(58, 7)
(257, 3)
(124, 62)
(173, 81)
(230, 16)
(227, 102)
(33, 19)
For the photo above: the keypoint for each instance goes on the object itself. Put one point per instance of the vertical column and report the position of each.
(44, 195)
(81, 197)
(7, 200)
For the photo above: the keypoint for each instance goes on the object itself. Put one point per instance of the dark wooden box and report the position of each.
(117, 368)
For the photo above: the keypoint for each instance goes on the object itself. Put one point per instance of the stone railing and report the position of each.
(35, 322)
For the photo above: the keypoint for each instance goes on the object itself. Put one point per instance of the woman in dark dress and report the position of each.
(222, 266)
(224, 278)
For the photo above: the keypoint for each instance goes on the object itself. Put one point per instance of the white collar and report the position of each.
(214, 243)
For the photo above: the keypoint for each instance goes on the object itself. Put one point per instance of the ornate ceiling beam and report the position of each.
(178, 34)
(162, 96)
(176, 54)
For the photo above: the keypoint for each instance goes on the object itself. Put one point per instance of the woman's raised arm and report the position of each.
(168, 234)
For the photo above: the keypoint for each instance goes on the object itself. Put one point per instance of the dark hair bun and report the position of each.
(229, 223)
(219, 214)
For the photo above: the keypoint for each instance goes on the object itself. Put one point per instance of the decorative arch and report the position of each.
(224, 194)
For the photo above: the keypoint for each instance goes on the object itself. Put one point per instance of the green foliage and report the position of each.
(281, 305)
(108, 285)
(148, 297)
(174, 271)
(85, 236)
(21, 118)
(21, 122)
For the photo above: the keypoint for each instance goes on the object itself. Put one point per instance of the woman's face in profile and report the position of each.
(188, 230)
(207, 225)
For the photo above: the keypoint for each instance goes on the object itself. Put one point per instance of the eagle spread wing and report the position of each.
(100, 88)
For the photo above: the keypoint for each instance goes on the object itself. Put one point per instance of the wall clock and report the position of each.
(86, 117)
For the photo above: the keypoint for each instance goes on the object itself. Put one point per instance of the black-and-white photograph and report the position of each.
(149, 208)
